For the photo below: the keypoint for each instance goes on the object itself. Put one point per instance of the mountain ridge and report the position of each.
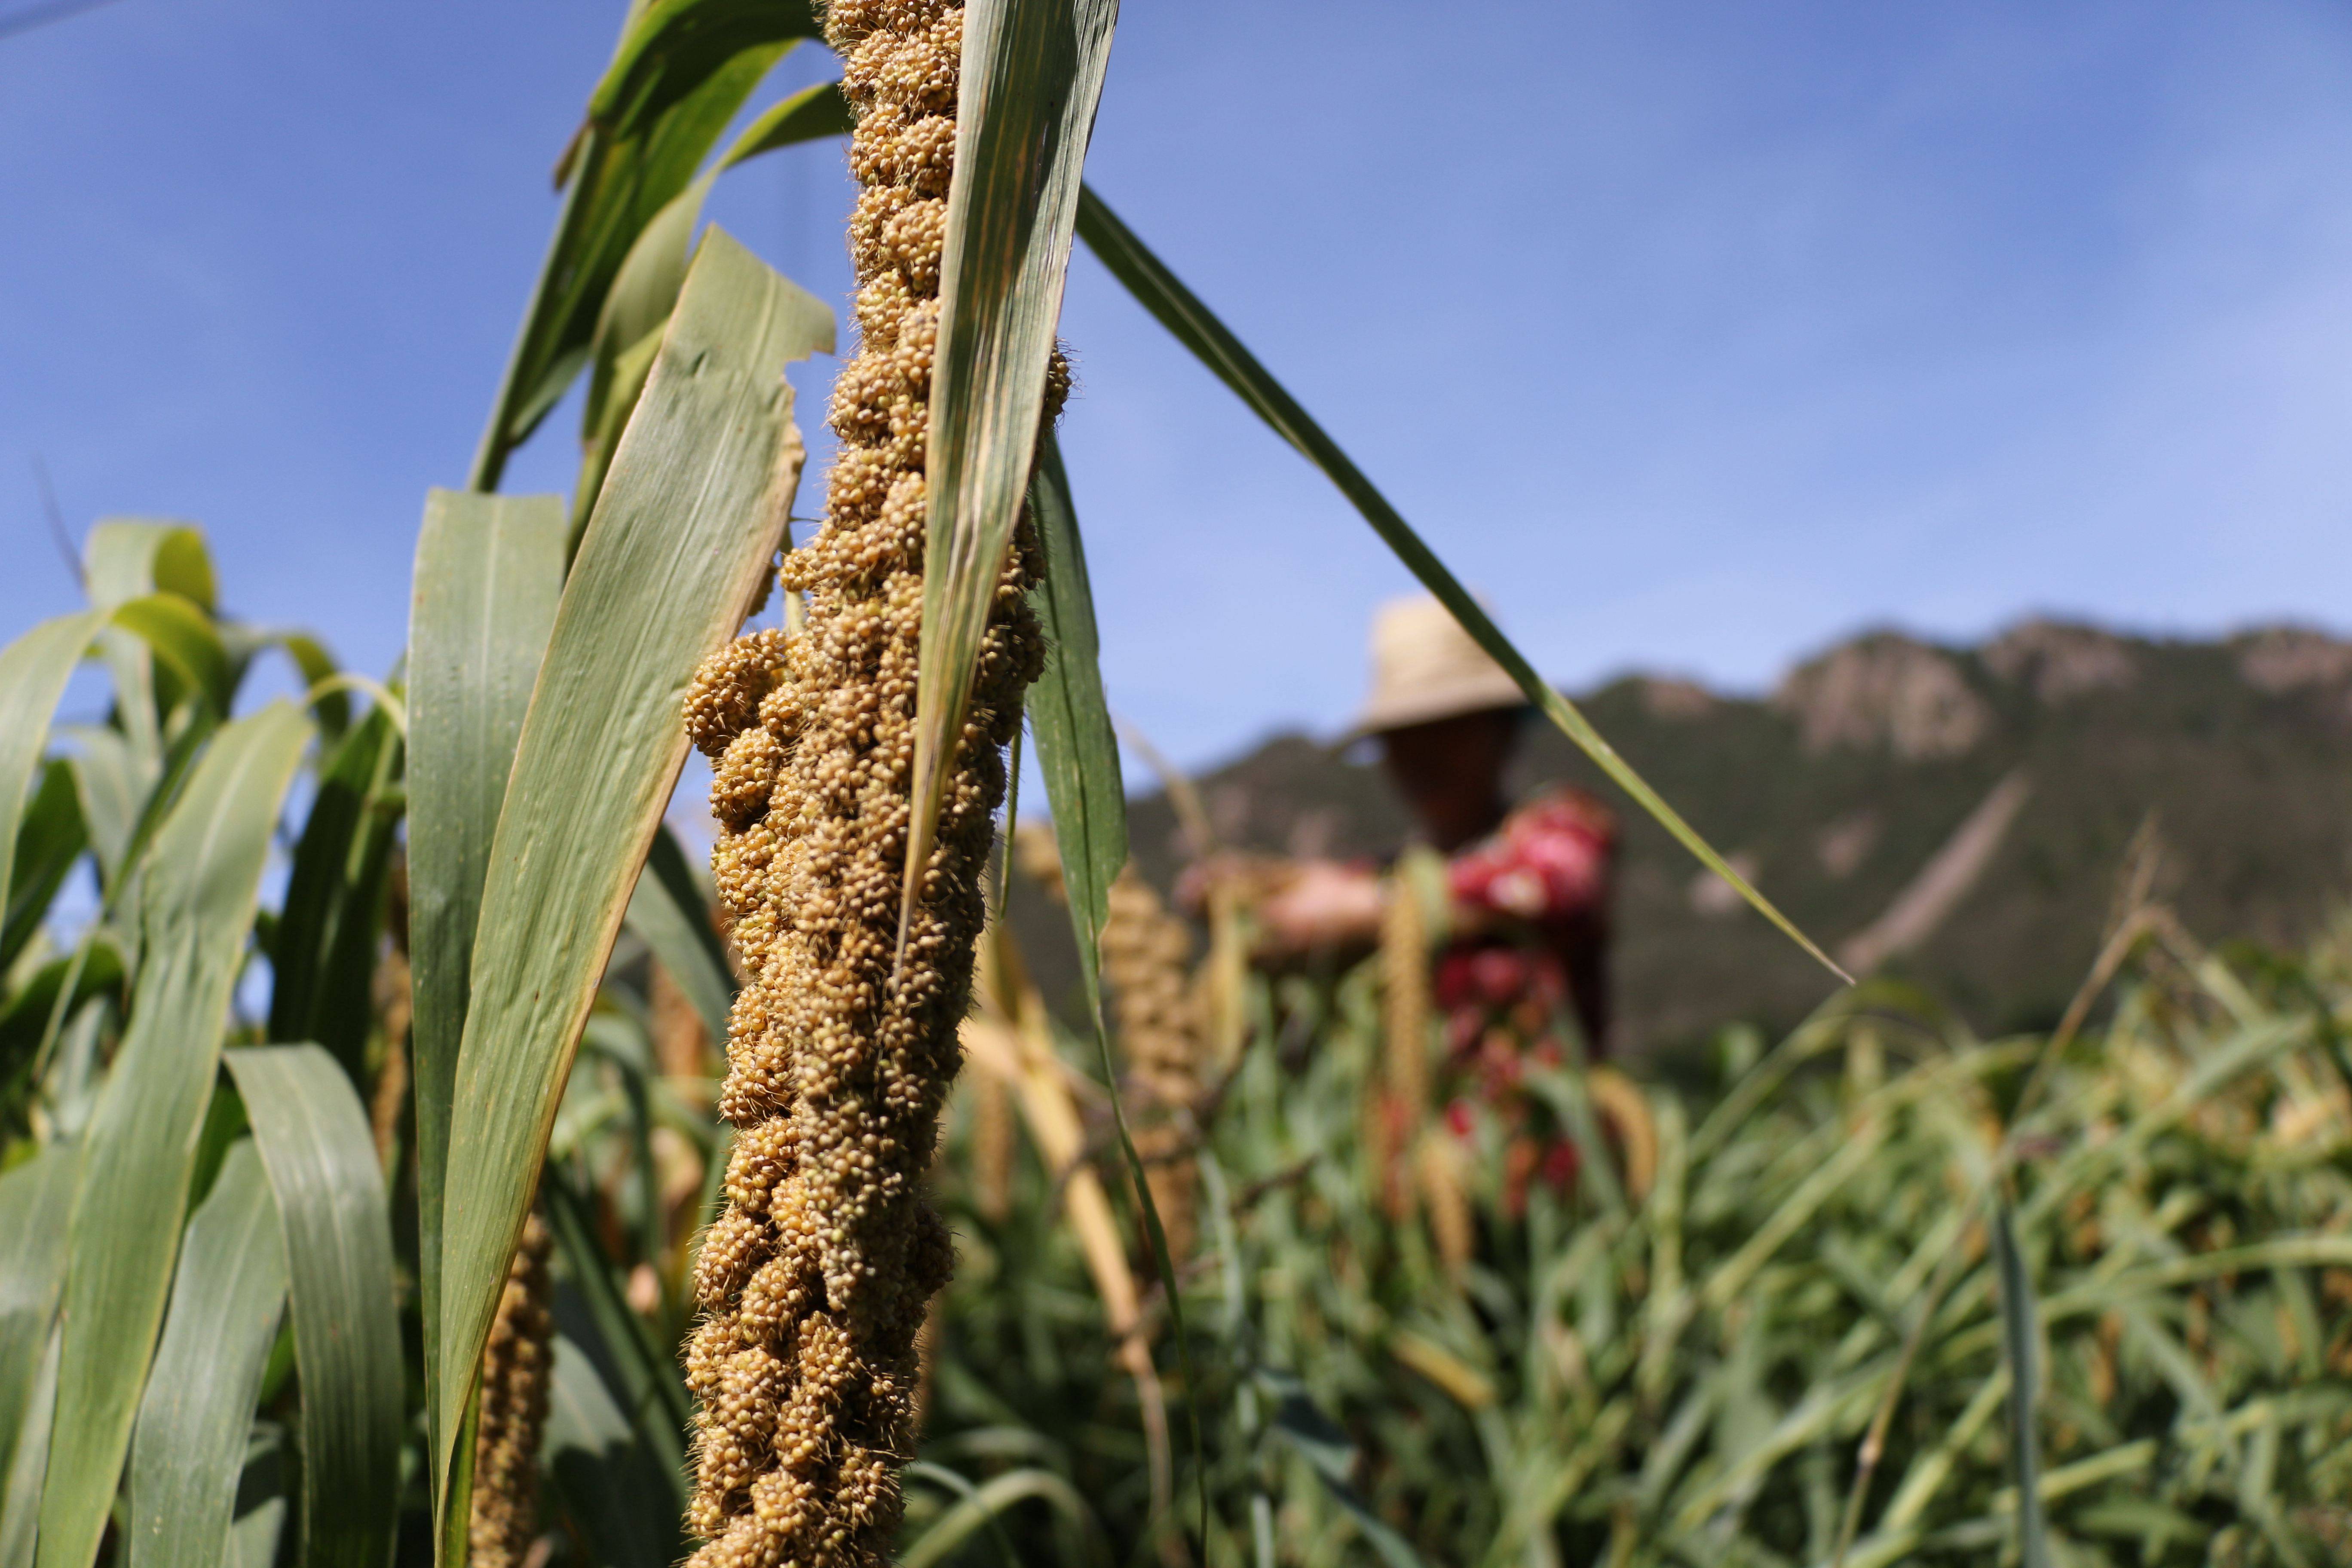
(1840, 786)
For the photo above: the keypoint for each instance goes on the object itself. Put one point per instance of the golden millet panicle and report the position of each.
(813, 1283)
(992, 1147)
(1398, 1096)
(1147, 957)
(517, 1363)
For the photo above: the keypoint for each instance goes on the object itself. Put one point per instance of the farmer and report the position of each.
(1521, 977)
(1529, 887)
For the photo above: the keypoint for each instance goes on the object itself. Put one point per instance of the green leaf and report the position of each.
(1318, 1439)
(20, 1485)
(2021, 1347)
(322, 964)
(1193, 325)
(109, 785)
(331, 708)
(695, 508)
(620, 1499)
(183, 638)
(36, 1199)
(670, 913)
(1077, 751)
(126, 558)
(489, 570)
(312, 1132)
(652, 1386)
(94, 968)
(166, 780)
(190, 1442)
(1032, 72)
(979, 1506)
(674, 46)
(645, 290)
(1077, 748)
(619, 180)
(254, 1536)
(47, 846)
(34, 670)
(811, 114)
(197, 901)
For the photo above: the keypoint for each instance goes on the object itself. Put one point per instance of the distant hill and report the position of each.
(2040, 752)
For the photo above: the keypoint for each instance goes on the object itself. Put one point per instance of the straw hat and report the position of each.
(1426, 667)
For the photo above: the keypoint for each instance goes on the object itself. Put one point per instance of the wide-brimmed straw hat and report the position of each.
(1426, 667)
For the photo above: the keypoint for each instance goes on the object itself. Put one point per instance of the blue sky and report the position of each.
(1693, 334)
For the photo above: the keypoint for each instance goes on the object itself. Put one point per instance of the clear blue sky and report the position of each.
(1695, 334)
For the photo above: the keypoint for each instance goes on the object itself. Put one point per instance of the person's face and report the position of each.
(1451, 769)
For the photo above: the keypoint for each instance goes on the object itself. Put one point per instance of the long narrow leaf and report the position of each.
(674, 46)
(651, 1385)
(127, 557)
(190, 1442)
(108, 785)
(124, 559)
(695, 507)
(1318, 1439)
(94, 968)
(541, 364)
(48, 841)
(332, 707)
(324, 959)
(616, 1494)
(1077, 748)
(1191, 323)
(619, 179)
(312, 1132)
(20, 1484)
(1032, 74)
(2021, 1345)
(1077, 751)
(34, 670)
(490, 571)
(981, 1506)
(35, 1200)
(183, 638)
(197, 903)
(645, 290)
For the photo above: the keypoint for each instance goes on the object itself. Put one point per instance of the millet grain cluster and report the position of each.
(1147, 957)
(813, 1283)
(518, 1364)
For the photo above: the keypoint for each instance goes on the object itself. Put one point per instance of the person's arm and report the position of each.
(1323, 904)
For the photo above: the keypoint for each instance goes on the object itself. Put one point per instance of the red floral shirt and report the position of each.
(1543, 878)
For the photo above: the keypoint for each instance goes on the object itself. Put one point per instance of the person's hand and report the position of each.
(1321, 903)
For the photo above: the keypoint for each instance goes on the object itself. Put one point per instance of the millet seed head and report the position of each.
(815, 1280)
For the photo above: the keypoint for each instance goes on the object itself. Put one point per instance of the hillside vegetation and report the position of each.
(1839, 788)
